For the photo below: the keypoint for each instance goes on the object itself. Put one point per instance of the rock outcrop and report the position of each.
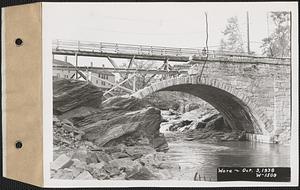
(124, 120)
(179, 101)
(71, 94)
(208, 127)
(104, 140)
(121, 121)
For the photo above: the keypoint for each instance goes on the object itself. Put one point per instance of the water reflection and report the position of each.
(205, 158)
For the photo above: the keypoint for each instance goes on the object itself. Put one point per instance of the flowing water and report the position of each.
(205, 158)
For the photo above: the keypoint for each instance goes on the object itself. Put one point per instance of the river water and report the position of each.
(205, 158)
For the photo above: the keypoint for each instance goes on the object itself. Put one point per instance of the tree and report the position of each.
(233, 38)
(278, 43)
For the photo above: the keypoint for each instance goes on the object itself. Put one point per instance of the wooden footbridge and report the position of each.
(144, 52)
(185, 56)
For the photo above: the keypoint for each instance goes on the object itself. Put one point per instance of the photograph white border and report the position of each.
(47, 109)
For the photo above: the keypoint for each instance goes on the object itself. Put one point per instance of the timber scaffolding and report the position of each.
(189, 56)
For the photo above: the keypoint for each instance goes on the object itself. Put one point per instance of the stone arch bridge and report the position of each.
(254, 97)
(252, 92)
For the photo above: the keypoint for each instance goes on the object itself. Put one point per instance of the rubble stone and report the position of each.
(125, 164)
(103, 157)
(61, 162)
(81, 154)
(111, 169)
(91, 158)
(84, 176)
(142, 173)
(119, 155)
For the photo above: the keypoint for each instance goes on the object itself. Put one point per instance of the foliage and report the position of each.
(233, 38)
(278, 43)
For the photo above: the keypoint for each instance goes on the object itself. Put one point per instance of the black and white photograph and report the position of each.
(181, 92)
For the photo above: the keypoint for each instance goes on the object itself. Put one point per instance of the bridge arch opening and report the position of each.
(238, 114)
(234, 111)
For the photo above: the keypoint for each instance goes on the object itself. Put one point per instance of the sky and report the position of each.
(160, 24)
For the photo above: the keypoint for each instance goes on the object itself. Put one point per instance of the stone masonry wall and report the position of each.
(267, 85)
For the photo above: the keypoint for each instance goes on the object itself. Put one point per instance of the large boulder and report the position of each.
(121, 120)
(118, 120)
(71, 94)
(218, 123)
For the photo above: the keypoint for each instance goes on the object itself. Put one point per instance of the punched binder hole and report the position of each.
(19, 144)
(18, 41)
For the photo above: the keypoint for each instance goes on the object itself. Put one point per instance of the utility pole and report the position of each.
(248, 38)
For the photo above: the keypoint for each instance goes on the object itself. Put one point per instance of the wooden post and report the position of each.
(117, 85)
(117, 49)
(133, 85)
(87, 74)
(112, 62)
(166, 68)
(90, 76)
(76, 64)
(130, 62)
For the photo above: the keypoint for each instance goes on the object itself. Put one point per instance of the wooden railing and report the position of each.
(116, 48)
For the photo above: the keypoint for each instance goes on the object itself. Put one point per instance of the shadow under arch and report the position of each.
(237, 109)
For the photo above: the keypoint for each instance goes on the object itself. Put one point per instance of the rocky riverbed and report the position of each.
(197, 125)
(116, 139)
(75, 158)
(122, 138)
